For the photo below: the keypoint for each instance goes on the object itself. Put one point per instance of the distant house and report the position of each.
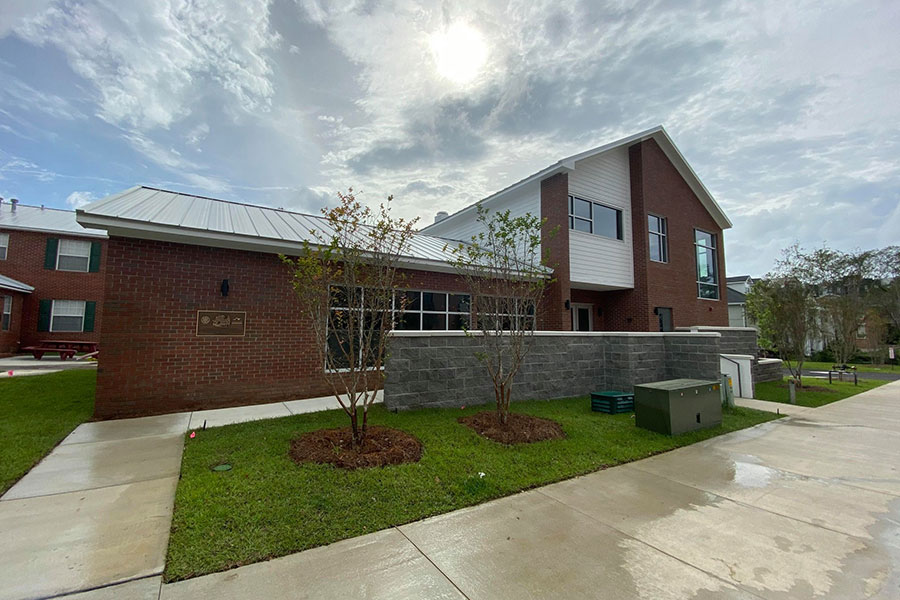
(51, 276)
(738, 287)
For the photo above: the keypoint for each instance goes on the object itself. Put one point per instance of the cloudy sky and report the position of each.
(788, 111)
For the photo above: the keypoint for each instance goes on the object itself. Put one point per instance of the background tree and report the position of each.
(784, 311)
(346, 279)
(504, 270)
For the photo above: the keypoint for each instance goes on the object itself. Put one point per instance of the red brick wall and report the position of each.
(555, 210)
(9, 340)
(153, 362)
(25, 263)
(658, 188)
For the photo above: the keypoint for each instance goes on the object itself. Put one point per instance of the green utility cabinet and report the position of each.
(677, 405)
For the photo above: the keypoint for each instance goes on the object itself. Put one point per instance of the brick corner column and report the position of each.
(555, 210)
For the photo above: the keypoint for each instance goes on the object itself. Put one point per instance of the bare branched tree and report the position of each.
(347, 278)
(505, 272)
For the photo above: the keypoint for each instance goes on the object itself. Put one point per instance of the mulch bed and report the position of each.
(383, 446)
(519, 429)
(807, 388)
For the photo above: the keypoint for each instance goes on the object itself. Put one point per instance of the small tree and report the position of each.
(783, 309)
(346, 278)
(506, 275)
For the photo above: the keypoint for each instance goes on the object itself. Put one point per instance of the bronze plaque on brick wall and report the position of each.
(221, 322)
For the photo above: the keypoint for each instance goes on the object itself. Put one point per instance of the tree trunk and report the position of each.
(354, 426)
(502, 406)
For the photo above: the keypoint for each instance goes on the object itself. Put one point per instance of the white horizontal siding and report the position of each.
(463, 227)
(593, 259)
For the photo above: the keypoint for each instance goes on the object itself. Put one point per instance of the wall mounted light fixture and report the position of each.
(568, 305)
(225, 287)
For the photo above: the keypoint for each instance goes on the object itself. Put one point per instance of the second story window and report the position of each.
(4, 245)
(659, 243)
(80, 256)
(74, 255)
(591, 217)
(707, 266)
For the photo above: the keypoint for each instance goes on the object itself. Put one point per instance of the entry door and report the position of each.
(665, 318)
(582, 317)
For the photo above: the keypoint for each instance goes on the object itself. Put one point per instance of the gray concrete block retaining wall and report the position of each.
(440, 369)
(768, 370)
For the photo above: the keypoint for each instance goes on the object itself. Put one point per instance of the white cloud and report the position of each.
(79, 199)
(152, 61)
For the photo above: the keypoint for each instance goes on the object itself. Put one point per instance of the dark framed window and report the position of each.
(595, 218)
(707, 265)
(659, 238)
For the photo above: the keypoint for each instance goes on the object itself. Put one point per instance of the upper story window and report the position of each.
(707, 267)
(6, 301)
(659, 240)
(72, 255)
(591, 217)
(4, 245)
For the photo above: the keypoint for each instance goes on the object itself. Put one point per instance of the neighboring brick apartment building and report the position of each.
(51, 276)
(170, 255)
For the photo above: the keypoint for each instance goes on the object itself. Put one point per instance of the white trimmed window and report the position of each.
(67, 315)
(7, 312)
(73, 255)
(4, 245)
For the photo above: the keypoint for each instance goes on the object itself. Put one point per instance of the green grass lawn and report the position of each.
(268, 506)
(824, 366)
(36, 413)
(777, 391)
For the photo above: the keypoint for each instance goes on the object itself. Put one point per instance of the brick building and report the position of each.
(639, 248)
(60, 264)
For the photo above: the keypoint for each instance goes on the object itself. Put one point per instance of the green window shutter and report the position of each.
(44, 315)
(90, 311)
(95, 257)
(50, 254)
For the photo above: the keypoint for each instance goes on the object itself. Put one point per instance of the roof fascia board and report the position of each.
(61, 232)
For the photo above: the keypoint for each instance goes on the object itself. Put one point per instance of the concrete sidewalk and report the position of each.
(805, 507)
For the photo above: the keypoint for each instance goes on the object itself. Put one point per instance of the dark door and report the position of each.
(582, 318)
(665, 318)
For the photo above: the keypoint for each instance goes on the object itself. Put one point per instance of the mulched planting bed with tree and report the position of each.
(267, 505)
(518, 429)
(382, 446)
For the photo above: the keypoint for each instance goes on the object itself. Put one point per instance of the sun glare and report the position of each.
(459, 52)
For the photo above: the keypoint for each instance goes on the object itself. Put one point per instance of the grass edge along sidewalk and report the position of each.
(815, 392)
(267, 506)
(36, 413)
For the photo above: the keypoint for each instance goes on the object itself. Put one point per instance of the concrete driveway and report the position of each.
(806, 507)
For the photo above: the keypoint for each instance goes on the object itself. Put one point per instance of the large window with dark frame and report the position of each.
(593, 217)
(411, 310)
(493, 313)
(707, 266)
(659, 238)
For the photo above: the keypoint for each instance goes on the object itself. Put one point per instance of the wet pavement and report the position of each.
(804, 507)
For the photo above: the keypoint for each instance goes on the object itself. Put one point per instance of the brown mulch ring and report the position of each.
(382, 446)
(519, 429)
(807, 388)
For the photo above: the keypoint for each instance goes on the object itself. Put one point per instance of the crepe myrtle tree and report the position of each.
(783, 308)
(506, 273)
(346, 278)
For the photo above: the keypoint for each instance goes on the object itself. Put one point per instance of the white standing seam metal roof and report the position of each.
(48, 220)
(657, 133)
(8, 283)
(152, 213)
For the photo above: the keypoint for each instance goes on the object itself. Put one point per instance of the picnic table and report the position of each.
(65, 348)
